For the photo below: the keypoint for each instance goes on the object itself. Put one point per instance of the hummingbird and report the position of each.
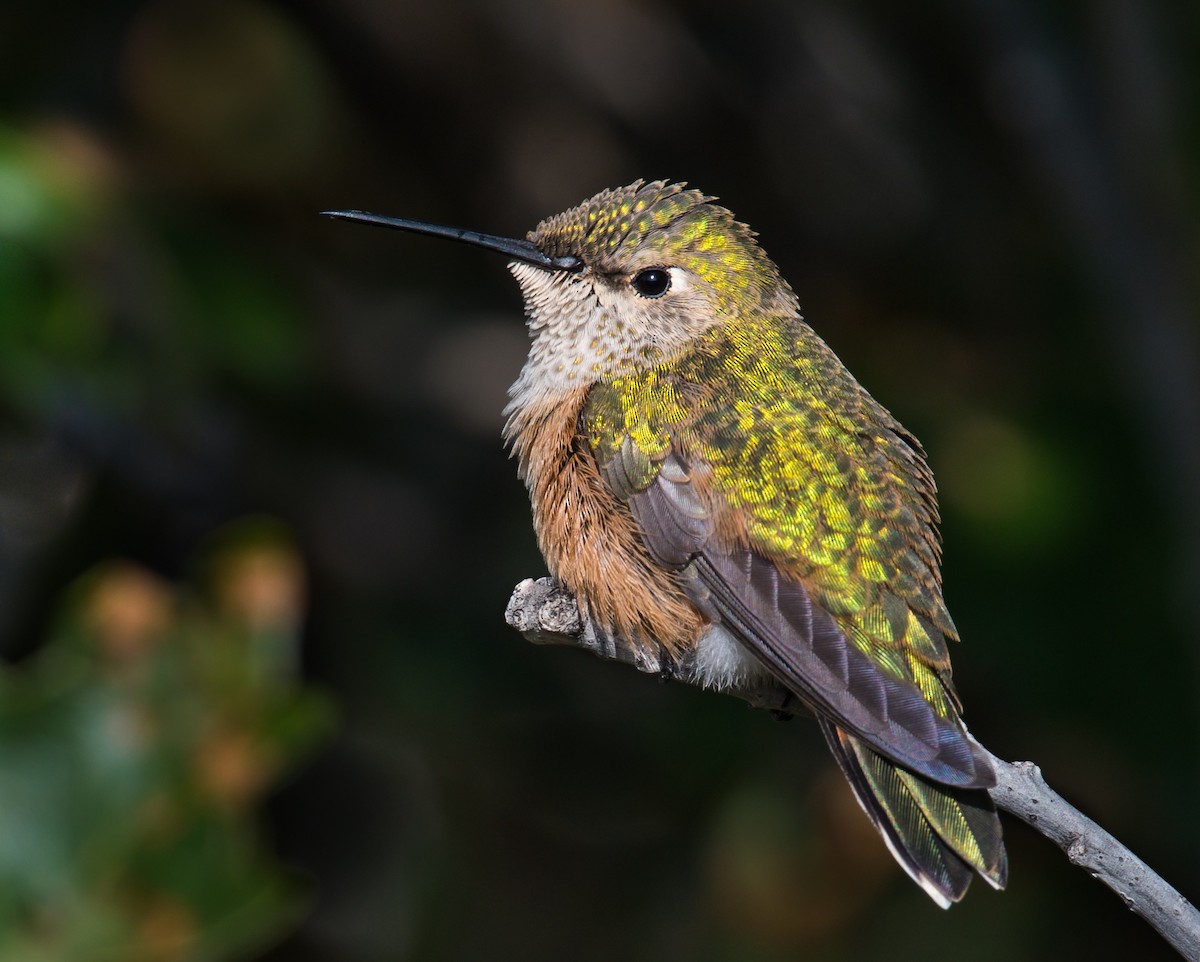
(710, 482)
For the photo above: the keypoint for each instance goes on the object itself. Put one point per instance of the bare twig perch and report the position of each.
(545, 613)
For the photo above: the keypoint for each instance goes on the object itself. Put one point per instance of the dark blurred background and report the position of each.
(257, 529)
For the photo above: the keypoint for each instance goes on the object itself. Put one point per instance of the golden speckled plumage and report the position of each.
(809, 472)
(708, 478)
(748, 473)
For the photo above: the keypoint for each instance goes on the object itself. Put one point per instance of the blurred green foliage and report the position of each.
(86, 289)
(134, 748)
(988, 209)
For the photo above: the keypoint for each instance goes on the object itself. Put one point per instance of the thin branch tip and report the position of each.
(547, 614)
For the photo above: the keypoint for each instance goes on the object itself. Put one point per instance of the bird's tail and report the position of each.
(941, 836)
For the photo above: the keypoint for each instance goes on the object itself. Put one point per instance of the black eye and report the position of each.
(652, 282)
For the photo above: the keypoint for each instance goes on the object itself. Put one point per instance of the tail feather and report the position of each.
(941, 836)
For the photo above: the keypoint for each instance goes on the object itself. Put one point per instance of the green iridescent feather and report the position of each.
(749, 505)
(798, 514)
(941, 836)
(836, 504)
(847, 510)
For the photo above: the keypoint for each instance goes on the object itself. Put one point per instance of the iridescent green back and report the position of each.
(795, 510)
(825, 483)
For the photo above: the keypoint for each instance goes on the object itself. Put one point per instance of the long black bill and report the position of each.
(521, 250)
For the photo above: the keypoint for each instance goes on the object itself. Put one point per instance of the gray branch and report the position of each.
(546, 614)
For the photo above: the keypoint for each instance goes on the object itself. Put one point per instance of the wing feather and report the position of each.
(803, 517)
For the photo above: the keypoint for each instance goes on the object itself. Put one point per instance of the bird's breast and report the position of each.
(588, 536)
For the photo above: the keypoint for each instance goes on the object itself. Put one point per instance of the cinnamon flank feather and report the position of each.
(589, 538)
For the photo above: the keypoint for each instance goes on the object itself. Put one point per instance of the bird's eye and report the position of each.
(652, 282)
